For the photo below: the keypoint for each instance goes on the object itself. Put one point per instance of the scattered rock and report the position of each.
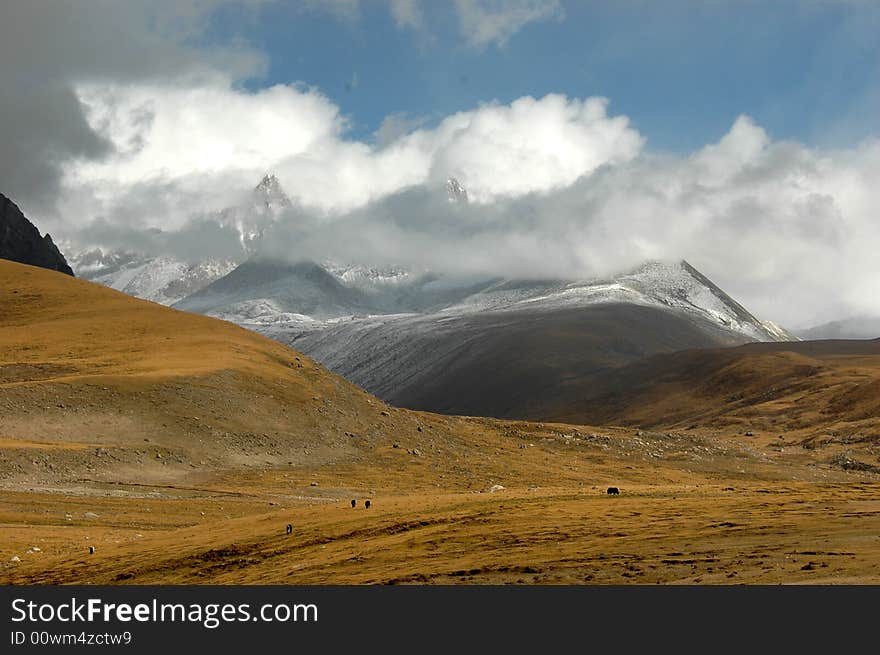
(495, 487)
(395, 445)
(847, 463)
(313, 484)
(749, 433)
(15, 558)
(90, 515)
(384, 413)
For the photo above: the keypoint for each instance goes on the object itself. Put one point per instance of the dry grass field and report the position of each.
(180, 447)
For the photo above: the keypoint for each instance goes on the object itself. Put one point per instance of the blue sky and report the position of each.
(740, 135)
(681, 70)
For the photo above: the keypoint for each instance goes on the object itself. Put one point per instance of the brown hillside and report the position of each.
(811, 387)
(180, 446)
(164, 393)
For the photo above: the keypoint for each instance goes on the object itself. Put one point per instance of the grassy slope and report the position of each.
(180, 446)
(806, 388)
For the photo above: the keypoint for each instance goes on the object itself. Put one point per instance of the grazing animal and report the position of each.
(354, 502)
(91, 550)
(289, 528)
(367, 504)
(613, 491)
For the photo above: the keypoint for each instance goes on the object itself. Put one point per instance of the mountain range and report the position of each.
(142, 445)
(433, 340)
(165, 278)
(856, 327)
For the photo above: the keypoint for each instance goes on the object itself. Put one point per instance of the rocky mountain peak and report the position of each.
(455, 191)
(269, 193)
(20, 240)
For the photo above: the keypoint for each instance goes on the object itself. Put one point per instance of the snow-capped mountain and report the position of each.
(257, 213)
(166, 279)
(270, 196)
(465, 345)
(369, 278)
(163, 280)
(436, 340)
(333, 291)
(455, 192)
(504, 347)
(679, 286)
(304, 288)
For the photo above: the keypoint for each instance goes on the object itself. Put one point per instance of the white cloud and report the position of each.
(530, 145)
(48, 47)
(406, 14)
(395, 126)
(485, 22)
(164, 134)
(789, 231)
(559, 189)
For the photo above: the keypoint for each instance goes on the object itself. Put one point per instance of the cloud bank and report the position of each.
(48, 49)
(157, 133)
(559, 188)
(183, 138)
(789, 231)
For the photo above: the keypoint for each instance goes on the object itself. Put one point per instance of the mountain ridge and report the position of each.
(20, 240)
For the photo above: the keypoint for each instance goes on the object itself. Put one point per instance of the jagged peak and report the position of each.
(270, 192)
(455, 191)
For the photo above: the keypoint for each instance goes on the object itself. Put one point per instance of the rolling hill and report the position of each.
(819, 388)
(178, 447)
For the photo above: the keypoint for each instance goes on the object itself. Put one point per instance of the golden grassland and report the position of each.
(180, 447)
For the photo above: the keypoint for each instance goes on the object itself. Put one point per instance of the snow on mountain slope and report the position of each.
(369, 278)
(259, 286)
(261, 314)
(511, 363)
(455, 192)
(677, 287)
(257, 213)
(168, 280)
(164, 280)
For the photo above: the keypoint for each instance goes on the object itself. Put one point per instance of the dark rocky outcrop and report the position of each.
(21, 242)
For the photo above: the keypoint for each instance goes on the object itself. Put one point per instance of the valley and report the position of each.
(179, 446)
